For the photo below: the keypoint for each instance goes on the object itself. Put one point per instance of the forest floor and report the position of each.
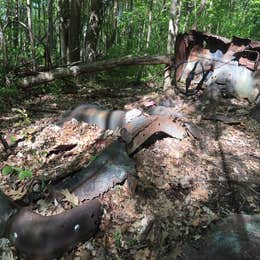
(181, 187)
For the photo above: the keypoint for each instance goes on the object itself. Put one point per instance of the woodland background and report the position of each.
(38, 35)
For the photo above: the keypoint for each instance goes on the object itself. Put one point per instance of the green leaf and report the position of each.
(7, 170)
(93, 158)
(13, 139)
(24, 174)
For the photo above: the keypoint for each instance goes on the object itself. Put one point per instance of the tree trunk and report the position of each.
(63, 10)
(4, 51)
(93, 30)
(50, 44)
(29, 19)
(73, 71)
(149, 30)
(112, 39)
(199, 13)
(74, 31)
(130, 27)
(172, 33)
(188, 9)
(16, 19)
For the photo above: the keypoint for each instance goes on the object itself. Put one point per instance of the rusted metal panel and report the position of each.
(156, 124)
(47, 237)
(203, 58)
(192, 44)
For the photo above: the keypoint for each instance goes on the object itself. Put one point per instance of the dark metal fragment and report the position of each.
(193, 130)
(7, 209)
(41, 237)
(111, 167)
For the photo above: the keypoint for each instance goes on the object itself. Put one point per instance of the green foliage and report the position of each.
(24, 174)
(118, 238)
(21, 173)
(23, 115)
(129, 25)
(132, 242)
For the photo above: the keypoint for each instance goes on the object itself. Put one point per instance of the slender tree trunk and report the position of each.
(93, 30)
(4, 52)
(63, 11)
(29, 19)
(16, 30)
(110, 41)
(149, 30)
(199, 13)
(50, 43)
(39, 18)
(172, 33)
(130, 27)
(188, 9)
(74, 31)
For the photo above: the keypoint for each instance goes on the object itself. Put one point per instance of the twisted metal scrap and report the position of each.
(139, 130)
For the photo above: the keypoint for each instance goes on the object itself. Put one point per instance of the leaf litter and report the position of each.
(180, 187)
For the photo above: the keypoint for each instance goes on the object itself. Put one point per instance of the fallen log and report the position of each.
(75, 70)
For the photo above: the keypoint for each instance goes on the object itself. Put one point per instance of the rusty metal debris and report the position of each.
(42, 237)
(111, 167)
(206, 58)
(47, 237)
(135, 133)
(7, 209)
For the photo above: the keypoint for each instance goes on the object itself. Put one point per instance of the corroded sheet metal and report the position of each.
(111, 167)
(7, 209)
(233, 62)
(47, 237)
(194, 42)
(157, 124)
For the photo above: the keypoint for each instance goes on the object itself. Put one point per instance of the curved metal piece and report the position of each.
(7, 209)
(157, 124)
(112, 166)
(41, 237)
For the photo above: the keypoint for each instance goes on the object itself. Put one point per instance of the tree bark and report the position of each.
(63, 10)
(93, 30)
(172, 33)
(112, 38)
(149, 30)
(74, 31)
(50, 34)
(29, 19)
(73, 71)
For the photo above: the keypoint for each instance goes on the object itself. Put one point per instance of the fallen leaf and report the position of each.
(70, 197)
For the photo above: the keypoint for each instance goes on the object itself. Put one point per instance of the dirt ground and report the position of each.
(181, 187)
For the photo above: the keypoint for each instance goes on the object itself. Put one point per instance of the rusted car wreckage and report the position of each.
(230, 66)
